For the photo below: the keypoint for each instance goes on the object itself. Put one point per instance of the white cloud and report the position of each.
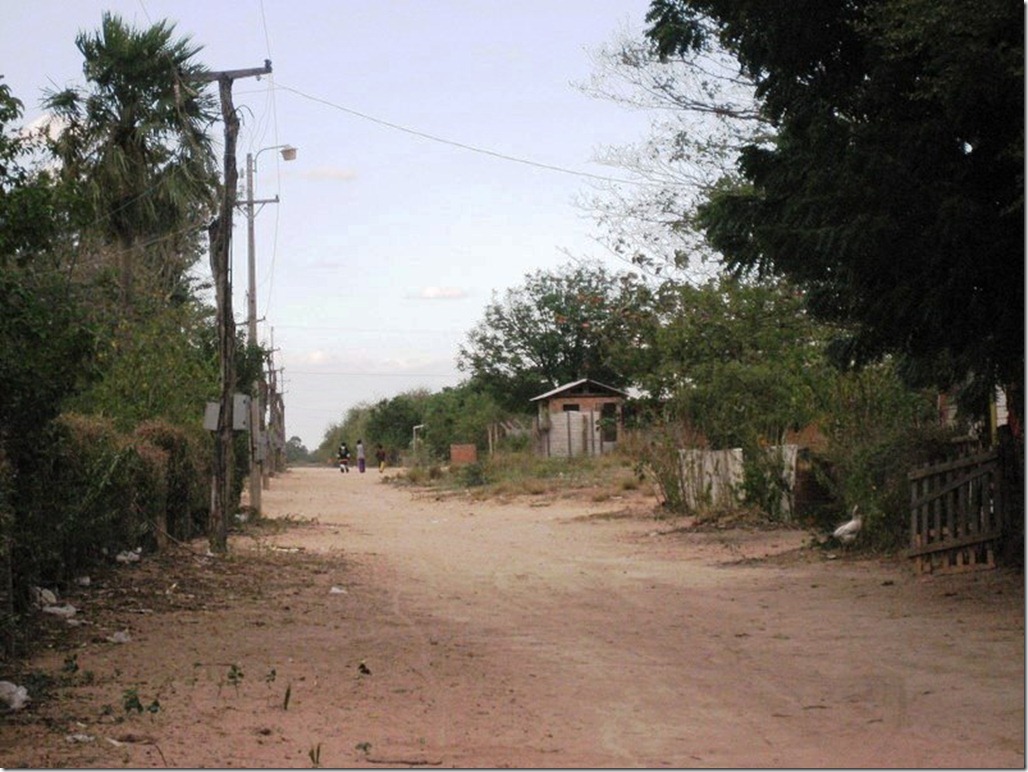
(317, 357)
(440, 293)
(330, 173)
(47, 123)
(325, 264)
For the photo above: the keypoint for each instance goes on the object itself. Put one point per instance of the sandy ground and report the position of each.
(407, 629)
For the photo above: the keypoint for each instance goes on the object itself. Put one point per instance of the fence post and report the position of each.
(1010, 495)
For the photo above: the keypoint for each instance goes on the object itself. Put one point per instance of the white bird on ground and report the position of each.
(847, 532)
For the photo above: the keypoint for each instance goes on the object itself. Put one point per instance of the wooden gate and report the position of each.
(956, 513)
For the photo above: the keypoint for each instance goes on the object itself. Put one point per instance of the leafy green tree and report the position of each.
(349, 430)
(137, 172)
(296, 451)
(29, 222)
(46, 345)
(744, 359)
(892, 190)
(736, 364)
(45, 351)
(136, 147)
(391, 421)
(555, 328)
(161, 366)
(459, 415)
(388, 422)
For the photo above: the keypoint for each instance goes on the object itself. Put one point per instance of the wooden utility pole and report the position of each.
(278, 422)
(269, 395)
(220, 233)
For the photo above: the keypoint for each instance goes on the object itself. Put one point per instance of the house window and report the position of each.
(570, 408)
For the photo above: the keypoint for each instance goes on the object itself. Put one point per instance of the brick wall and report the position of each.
(463, 454)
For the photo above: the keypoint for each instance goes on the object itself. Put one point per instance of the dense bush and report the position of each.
(75, 505)
(470, 475)
(158, 363)
(878, 430)
(872, 474)
(98, 492)
(188, 472)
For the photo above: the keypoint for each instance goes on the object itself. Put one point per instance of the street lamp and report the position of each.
(256, 439)
(288, 153)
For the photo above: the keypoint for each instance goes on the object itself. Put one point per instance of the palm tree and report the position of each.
(136, 147)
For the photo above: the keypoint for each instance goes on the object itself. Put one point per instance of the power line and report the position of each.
(273, 105)
(369, 330)
(264, 26)
(146, 13)
(356, 374)
(460, 145)
(270, 114)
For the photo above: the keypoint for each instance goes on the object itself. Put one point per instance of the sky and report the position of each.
(443, 150)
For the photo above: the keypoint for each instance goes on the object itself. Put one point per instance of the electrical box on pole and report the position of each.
(240, 414)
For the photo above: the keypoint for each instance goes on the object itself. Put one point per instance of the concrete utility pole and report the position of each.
(258, 400)
(272, 443)
(276, 423)
(220, 232)
(269, 396)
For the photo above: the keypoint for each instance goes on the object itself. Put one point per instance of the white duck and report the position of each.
(847, 532)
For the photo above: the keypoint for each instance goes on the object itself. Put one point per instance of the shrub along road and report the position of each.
(411, 628)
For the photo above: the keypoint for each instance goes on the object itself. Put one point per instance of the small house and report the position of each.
(582, 418)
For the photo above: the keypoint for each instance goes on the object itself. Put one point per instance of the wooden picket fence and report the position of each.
(957, 510)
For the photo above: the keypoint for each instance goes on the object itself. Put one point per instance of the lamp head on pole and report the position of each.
(288, 154)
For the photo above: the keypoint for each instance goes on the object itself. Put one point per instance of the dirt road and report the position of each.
(406, 629)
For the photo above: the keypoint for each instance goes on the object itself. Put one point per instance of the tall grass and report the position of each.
(524, 473)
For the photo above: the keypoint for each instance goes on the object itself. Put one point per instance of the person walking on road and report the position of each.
(360, 456)
(380, 457)
(344, 458)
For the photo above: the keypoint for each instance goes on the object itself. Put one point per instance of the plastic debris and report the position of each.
(79, 738)
(83, 581)
(337, 591)
(66, 611)
(14, 696)
(130, 556)
(122, 636)
(43, 597)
